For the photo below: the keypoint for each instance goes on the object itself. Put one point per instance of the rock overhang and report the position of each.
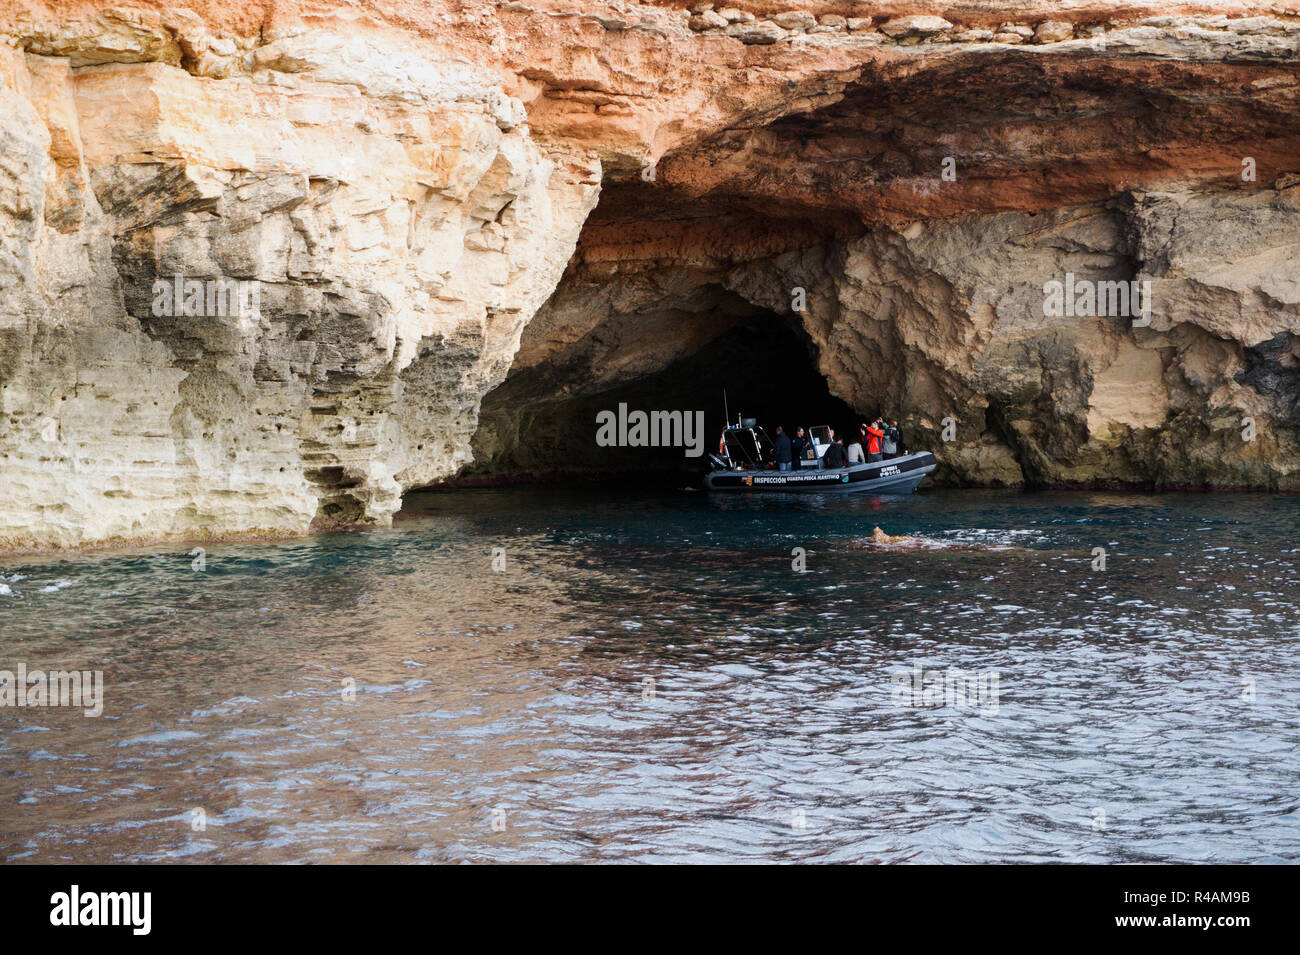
(1107, 140)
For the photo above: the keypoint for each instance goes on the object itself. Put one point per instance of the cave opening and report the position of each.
(764, 362)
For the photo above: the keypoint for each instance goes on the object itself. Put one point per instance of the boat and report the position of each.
(746, 461)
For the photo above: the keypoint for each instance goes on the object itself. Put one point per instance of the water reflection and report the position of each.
(649, 679)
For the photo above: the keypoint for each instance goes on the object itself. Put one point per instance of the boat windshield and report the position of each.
(748, 447)
(821, 438)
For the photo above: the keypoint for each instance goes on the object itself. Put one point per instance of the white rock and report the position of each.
(1019, 29)
(922, 26)
(758, 33)
(1053, 31)
(795, 20)
(708, 20)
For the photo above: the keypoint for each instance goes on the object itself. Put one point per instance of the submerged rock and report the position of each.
(880, 537)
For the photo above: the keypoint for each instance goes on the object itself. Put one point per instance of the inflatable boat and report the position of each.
(746, 461)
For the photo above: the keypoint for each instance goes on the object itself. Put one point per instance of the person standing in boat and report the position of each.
(874, 433)
(889, 443)
(799, 445)
(783, 449)
(835, 456)
(898, 437)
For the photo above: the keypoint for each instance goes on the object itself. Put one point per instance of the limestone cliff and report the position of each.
(394, 216)
(396, 190)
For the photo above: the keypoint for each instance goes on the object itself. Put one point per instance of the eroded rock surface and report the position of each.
(399, 190)
(392, 223)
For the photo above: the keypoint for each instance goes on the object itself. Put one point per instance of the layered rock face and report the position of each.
(909, 217)
(382, 226)
(942, 324)
(264, 265)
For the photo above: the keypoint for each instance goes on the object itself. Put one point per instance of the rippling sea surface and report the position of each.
(650, 679)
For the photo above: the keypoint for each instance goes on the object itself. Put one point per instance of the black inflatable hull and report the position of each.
(895, 476)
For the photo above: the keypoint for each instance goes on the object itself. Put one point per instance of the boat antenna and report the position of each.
(726, 412)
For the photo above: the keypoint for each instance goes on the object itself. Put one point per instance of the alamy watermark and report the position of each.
(920, 687)
(129, 909)
(75, 688)
(651, 429)
(183, 297)
(1084, 298)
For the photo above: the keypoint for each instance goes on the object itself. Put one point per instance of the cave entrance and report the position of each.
(529, 432)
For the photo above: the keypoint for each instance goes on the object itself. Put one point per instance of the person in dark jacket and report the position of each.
(799, 445)
(784, 450)
(899, 444)
(889, 443)
(835, 456)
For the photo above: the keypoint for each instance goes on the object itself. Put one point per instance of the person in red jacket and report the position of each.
(874, 433)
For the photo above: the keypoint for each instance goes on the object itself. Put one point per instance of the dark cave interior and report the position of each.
(765, 366)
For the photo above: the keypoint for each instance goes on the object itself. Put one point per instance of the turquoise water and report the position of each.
(649, 679)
